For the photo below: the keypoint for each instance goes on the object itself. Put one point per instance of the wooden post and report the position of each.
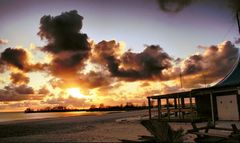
(168, 111)
(159, 108)
(149, 108)
(212, 109)
(191, 106)
(183, 105)
(175, 106)
(179, 107)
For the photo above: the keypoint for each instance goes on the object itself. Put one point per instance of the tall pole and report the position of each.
(212, 110)
(149, 108)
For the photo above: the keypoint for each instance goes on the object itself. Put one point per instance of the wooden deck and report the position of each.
(204, 135)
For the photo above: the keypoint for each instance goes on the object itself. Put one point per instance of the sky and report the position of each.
(82, 52)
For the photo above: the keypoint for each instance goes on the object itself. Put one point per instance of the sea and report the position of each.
(13, 116)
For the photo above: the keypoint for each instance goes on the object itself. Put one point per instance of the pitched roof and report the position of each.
(233, 77)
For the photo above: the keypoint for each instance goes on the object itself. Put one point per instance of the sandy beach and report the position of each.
(103, 128)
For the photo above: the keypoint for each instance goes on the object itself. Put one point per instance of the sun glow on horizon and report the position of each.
(75, 92)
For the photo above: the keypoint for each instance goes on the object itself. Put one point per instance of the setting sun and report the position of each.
(75, 92)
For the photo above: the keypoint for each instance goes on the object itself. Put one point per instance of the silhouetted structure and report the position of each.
(220, 102)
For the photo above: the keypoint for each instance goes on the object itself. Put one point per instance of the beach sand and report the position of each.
(103, 128)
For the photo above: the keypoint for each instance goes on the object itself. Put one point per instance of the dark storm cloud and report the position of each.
(94, 79)
(213, 64)
(15, 57)
(67, 45)
(193, 64)
(19, 78)
(130, 66)
(148, 64)
(62, 32)
(105, 49)
(67, 65)
(19, 58)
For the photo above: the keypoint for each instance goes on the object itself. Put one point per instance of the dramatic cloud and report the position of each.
(19, 78)
(103, 71)
(94, 79)
(62, 32)
(68, 47)
(104, 49)
(213, 64)
(148, 64)
(16, 57)
(3, 41)
(19, 58)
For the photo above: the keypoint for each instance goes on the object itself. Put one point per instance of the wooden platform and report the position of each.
(185, 120)
(204, 135)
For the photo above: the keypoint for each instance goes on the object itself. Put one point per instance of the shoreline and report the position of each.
(113, 127)
(57, 118)
(100, 128)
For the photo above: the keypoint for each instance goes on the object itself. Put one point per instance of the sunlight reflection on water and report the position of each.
(12, 116)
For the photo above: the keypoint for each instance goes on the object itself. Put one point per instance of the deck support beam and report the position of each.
(149, 108)
(212, 109)
(159, 108)
(168, 110)
(175, 106)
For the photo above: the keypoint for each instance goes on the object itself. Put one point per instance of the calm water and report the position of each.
(12, 116)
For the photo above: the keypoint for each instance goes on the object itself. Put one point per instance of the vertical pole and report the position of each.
(175, 106)
(168, 111)
(149, 108)
(212, 109)
(179, 107)
(183, 105)
(191, 106)
(159, 108)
